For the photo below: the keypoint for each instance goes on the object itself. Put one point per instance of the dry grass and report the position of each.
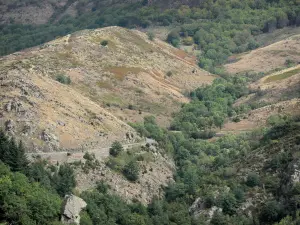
(268, 58)
(104, 84)
(121, 72)
(282, 75)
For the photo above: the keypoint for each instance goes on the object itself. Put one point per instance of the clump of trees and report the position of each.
(12, 154)
(210, 107)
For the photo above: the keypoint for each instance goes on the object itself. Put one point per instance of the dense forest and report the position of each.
(217, 28)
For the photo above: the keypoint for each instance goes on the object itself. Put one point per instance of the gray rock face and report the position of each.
(72, 208)
(14, 105)
(296, 175)
(50, 138)
(9, 126)
(197, 206)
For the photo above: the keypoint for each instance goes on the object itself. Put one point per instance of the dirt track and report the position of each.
(65, 156)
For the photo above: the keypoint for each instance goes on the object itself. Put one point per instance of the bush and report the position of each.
(169, 73)
(151, 36)
(188, 41)
(236, 119)
(131, 171)
(271, 212)
(252, 180)
(131, 107)
(173, 38)
(290, 63)
(229, 204)
(63, 79)
(116, 148)
(104, 43)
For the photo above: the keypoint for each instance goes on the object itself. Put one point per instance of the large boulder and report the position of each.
(72, 208)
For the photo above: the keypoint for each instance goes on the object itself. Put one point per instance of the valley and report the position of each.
(154, 112)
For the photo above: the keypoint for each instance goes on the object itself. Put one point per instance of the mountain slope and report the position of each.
(267, 58)
(129, 78)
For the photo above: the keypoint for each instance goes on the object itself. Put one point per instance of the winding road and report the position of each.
(72, 156)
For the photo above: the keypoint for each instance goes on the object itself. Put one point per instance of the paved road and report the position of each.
(65, 156)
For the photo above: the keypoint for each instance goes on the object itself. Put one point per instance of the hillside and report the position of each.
(111, 85)
(268, 58)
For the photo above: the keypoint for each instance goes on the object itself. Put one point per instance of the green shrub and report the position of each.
(116, 148)
(85, 219)
(236, 119)
(151, 36)
(252, 180)
(290, 63)
(104, 43)
(169, 73)
(131, 171)
(63, 79)
(173, 38)
(271, 212)
(188, 41)
(229, 204)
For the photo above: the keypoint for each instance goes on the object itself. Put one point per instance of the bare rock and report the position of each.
(197, 206)
(9, 126)
(50, 138)
(27, 129)
(296, 175)
(61, 123)
(14, 105)
(72, 208)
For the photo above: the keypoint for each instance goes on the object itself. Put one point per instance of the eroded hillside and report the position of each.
(112, 84)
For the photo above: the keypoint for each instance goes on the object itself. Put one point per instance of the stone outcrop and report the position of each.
(50, 138)
(10, 126)
(72, 208)
(198, 208)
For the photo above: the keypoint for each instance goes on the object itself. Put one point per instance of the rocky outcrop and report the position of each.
(72, 208)
(9, 126)
(198, 208)
(295, 177)
(50, 138)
